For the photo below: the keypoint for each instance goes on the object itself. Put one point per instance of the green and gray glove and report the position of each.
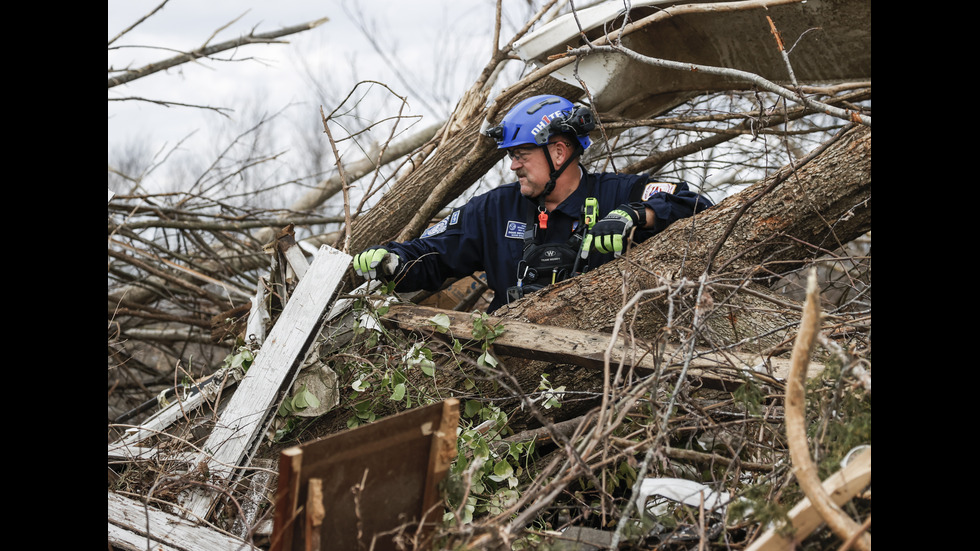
(609, 233)
(376, 263)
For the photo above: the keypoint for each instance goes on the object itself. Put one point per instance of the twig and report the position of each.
(138, 22)
(343, 178)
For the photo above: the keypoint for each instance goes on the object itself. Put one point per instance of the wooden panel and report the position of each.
(400, 461)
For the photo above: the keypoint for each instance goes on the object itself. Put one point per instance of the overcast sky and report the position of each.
(413, 29)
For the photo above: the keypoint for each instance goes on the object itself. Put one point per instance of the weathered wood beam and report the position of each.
(562, 345)
(137, 527)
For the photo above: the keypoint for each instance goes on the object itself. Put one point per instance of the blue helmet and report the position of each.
(536, 119)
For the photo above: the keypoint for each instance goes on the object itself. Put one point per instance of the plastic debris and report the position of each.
(684, 491)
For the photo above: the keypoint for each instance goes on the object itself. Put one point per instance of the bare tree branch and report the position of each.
(206, 51)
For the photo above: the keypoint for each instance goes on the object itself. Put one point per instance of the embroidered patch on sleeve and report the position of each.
(654, 187)
(515, 230)
(454, 217)
(436, 229)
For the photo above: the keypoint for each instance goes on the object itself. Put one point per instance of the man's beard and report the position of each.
(523, 174)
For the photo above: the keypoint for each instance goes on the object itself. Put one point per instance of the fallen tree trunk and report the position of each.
(817, 208)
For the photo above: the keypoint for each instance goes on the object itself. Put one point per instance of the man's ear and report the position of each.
(562, 153)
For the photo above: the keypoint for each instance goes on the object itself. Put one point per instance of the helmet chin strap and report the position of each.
(552, 180)
(555, 174)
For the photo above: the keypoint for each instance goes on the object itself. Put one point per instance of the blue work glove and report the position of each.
(609, 234)
(376, 263)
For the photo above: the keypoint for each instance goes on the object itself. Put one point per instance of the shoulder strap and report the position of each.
(531, 224)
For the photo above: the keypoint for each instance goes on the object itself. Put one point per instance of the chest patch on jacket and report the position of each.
(654, 187)
(515, 230)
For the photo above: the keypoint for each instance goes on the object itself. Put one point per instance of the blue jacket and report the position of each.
(487, 233)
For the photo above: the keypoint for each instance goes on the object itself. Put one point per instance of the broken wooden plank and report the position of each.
(272, 371)
(124, 454)
(122, 539)
(296, 260)
(249, 522)
(287, 498)
(587, 348)
(315, 512)
(375, 479)
(290, 251)
(840, 486)
(133, 525)
(156, 423)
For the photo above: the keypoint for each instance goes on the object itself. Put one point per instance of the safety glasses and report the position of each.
(520, 153)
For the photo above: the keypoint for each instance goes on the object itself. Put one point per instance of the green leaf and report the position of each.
(503, 468)
(502, 471)
(481, 451)
(486, 359)
(304, 399)
(441, 321)
(243, 359)
(479, 331)
(299, 399)
(479, 487)
(472, 407)
(428, 368)
(398, 393)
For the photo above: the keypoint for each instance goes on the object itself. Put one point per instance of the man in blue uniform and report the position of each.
(555, 222)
